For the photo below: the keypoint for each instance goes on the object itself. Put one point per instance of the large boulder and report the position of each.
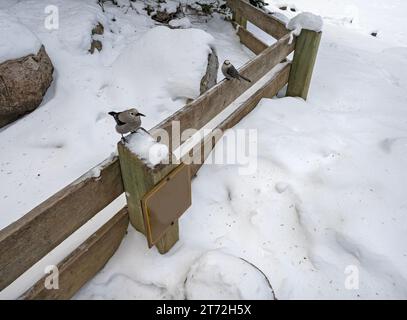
(23, 84)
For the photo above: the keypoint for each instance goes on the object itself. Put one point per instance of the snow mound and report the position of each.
(183, 23)
(16, 39)
(164, 62)
(217, 275)
(146, 148)
(305, 20)
(71, 27)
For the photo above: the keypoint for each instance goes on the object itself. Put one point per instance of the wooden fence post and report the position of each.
(138, 179)
(239, 18)
(305, 54)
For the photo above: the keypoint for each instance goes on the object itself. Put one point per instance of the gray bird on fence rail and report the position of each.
(127, 121)
(230, 72)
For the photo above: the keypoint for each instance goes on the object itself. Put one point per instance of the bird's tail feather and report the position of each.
(115, 115)
(244, 78)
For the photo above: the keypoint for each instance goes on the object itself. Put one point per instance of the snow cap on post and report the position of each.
(305, 20)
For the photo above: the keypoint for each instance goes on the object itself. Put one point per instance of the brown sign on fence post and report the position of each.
(166, 202)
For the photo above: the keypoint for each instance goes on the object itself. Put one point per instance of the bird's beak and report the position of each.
(140, 114)
(112, 113)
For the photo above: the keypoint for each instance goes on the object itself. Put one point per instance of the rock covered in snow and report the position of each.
(146, 148)
(210, 77)
(220, 276)
(24, 82)
(163, 16)
(182, 23)
(98, 30)
(258, 3)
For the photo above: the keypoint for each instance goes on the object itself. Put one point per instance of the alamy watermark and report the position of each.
(52, 279)
(352, 277)
(234, 147)
(51, 21)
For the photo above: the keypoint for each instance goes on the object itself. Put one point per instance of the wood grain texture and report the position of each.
(30, 238)
(197, 113)
(250, 40)
(239, 18)
(268, 90)
(83, 263)
(258, 17)
(138, 179)
(169, 239)
(306, 50)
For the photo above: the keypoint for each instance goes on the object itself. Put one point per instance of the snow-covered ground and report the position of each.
(327, 205)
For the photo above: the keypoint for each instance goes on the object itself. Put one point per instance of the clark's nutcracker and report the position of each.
(230, 72)
(127, 121)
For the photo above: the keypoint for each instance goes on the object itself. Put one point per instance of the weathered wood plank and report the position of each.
(30, 238)
(84, 262)
(138, 179)
(239, 18)
(306, 50)
(169, 239)
(258, 17)
(268, 90)
(197, 113)
(250, 40)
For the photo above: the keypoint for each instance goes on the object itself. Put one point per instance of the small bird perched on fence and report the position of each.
(127, 121)
(230, 72)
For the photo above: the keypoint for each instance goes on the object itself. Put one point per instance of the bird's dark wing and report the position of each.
(233, 72)
(115, 115)
(120, 120)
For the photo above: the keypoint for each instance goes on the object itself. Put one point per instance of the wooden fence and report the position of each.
(29, 239)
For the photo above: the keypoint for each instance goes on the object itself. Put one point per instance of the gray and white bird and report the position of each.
(127, 121)
(230, 72)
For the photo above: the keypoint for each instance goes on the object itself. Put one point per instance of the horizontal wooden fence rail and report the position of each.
(268, 90)
(259, 18)
(29, 239)
(84, 262)
(249, 40)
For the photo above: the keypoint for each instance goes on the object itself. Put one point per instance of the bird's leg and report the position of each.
(123, 139)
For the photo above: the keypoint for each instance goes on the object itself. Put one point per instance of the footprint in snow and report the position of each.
(50, 145)
(387, 145)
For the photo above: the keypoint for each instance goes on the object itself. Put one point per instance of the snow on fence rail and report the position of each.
(29, 239)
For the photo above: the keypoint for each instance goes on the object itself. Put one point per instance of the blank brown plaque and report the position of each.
(166, 202)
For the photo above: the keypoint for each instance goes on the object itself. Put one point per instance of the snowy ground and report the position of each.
(329, 196)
